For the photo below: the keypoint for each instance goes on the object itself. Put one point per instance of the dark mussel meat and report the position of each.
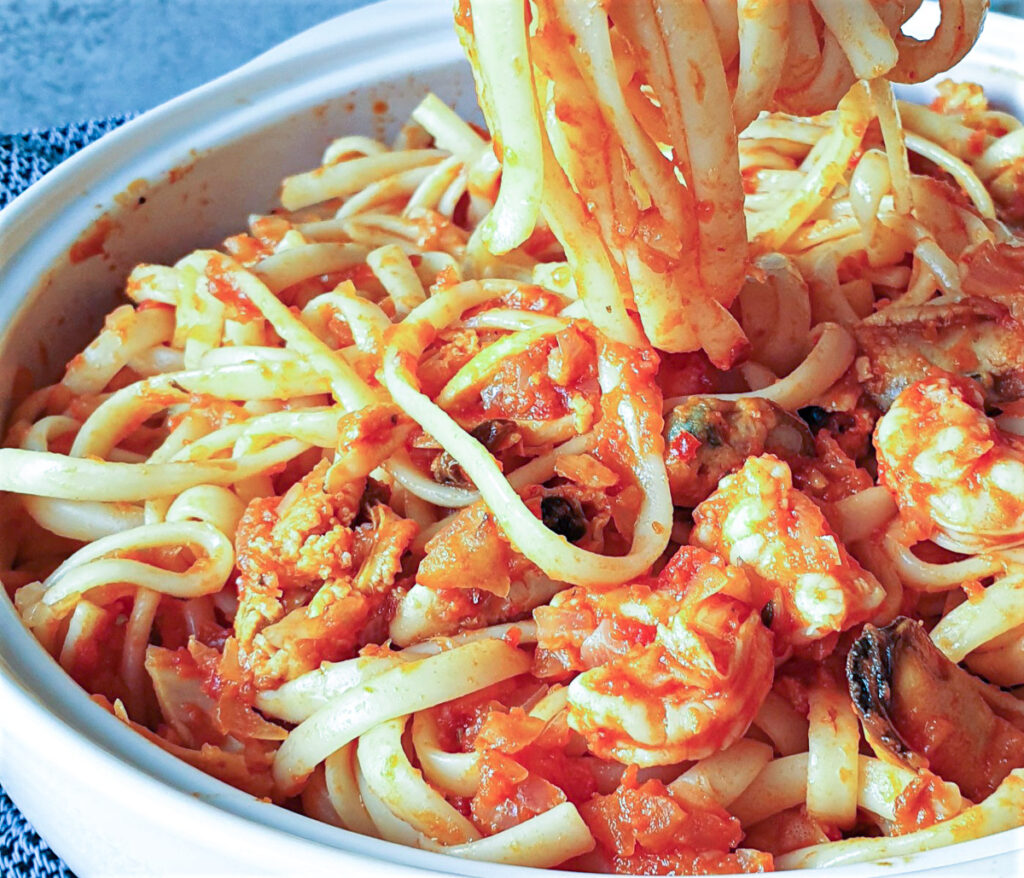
(496, 435)
(708, 438)
(920, 710)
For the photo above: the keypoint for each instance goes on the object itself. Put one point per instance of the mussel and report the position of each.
(920, 710)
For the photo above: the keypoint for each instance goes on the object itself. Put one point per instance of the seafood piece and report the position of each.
(830, 474)
(310, 579)
(672, 669)
(851, 428)
(707, 438)
(760, 522)
(981, 338)
(956, 478)
(470, 577)
(920, 710)
(496, 435)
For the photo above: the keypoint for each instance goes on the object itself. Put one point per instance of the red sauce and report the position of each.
(915, 806)
(683, 447)
(446, 277)
(524, 769)
(974, 590)
(749, 179)
(976, 142)
(245, 248)
(464, 16)
(240, 307)
(92, 242)
(270, 230)
(513, 636)
(150, 304)
(648, 829)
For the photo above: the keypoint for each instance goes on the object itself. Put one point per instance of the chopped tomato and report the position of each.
(649, 829)
(246, 249)
(470, 552)
(239, 307)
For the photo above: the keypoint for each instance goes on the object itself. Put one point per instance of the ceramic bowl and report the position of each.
(182, 176)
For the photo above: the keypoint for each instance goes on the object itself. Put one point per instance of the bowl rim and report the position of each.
(32, 684)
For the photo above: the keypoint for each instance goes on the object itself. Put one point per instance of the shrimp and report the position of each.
(673, 669)
(760, 522)
(956, 478)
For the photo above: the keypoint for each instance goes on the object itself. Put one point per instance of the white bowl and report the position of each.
(108, 801)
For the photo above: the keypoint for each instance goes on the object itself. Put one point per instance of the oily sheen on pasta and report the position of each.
(636, 488)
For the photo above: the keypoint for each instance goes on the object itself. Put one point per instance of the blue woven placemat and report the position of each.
(24, 158)
(22, 852)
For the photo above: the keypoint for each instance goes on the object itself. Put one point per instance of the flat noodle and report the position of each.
(491, 467)
(999, 609)
(726, 774)
(401, 787)
(833, 739)
(456, 774)
(419, 685)
(782, 784)
(997, 813)
(543, 841)
(342, 788)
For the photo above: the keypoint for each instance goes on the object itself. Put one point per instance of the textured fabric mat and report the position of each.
(24, 158)
(23, 854)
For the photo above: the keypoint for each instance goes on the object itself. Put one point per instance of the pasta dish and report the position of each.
(637, 487)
